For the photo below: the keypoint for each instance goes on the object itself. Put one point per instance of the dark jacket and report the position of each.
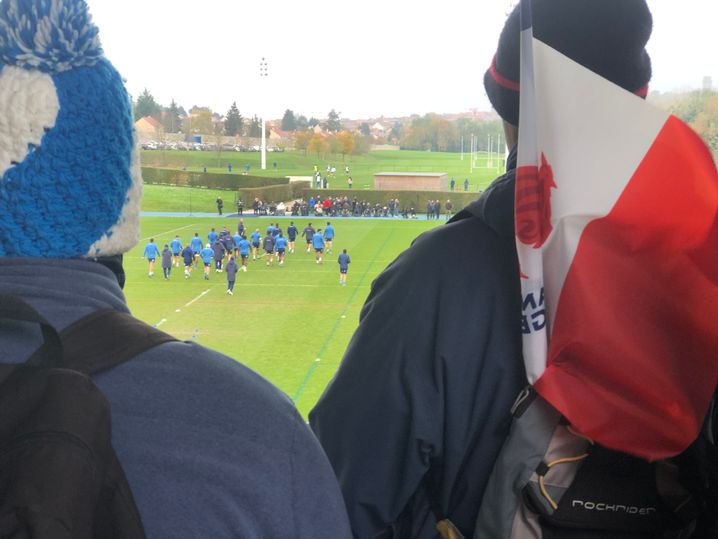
(210, 449)
(218, 249)
(421, 401)
(166, 258)
(231, 269)
(268, 243)
(187, 255)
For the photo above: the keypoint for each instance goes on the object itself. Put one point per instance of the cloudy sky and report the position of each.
(363, 59)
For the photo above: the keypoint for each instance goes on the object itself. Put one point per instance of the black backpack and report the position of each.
(59, 475)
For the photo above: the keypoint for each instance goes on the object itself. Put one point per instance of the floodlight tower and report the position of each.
(263, 73)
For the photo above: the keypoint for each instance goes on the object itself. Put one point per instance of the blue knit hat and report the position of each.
(70, 183)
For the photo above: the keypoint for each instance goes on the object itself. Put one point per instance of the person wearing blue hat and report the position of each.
(208, 447)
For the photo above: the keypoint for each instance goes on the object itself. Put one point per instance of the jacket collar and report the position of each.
(63, 291)
(495, 206)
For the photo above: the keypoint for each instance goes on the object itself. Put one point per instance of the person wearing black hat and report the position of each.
(419, 408)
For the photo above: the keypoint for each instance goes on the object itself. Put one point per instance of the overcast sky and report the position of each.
(363, 59)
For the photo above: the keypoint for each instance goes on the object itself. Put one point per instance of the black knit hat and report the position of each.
(606, 36)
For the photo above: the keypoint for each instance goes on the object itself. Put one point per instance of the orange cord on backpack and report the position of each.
(542, 485)
(569, 428)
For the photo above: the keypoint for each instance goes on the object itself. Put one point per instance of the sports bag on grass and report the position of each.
(59, 475)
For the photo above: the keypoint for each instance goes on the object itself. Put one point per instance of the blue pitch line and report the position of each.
(314, 364)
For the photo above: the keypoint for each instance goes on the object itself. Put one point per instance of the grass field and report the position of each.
(362, 167)
(291, 324)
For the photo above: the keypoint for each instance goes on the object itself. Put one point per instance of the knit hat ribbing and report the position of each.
(607, 36)
(70, 183)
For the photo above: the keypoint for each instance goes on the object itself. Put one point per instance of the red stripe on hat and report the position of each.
(642, 92)
(500, 79)
(632, 357)
(516, 87)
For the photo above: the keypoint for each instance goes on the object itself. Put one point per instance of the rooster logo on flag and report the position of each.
(533, 203)
(616, 211)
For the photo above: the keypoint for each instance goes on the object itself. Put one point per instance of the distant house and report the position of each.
(147, 124)
(278, 134)
(411, 181)
(147, 128)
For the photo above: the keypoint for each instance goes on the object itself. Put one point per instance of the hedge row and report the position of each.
(212, 180)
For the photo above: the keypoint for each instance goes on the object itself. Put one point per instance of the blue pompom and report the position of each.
(50, 35)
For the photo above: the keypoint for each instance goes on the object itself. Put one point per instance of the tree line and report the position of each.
(698, 108)
(199, 119)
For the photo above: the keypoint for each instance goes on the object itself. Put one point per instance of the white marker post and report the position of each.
(263, 72)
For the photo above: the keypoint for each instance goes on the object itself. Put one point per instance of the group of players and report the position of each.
(223, 247)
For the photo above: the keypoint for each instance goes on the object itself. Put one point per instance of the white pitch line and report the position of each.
(197, 298)
(168, 232)
(160, 322)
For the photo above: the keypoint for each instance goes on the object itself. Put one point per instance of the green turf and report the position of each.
(362, 167)
(165, 198)
(290, 324)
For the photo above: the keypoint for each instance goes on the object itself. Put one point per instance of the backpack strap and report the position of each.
(107, 338)
(50, 353)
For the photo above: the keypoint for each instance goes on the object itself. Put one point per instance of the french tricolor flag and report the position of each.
(617, 235)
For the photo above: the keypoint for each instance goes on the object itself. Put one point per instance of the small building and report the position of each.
(411, 181)
(148, 125)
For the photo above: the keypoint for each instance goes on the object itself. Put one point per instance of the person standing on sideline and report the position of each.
(220, 204)
(343, 261)
(292, 235)
(350, 182)
(308, 233)
(176, 247)
(151, 252)
(188, 257)
(256, 238)
(466, 184)
(166, 261)
(268, 246)
(318, 243)
(207, 254)
(449, 209)
(329, 236)
(452, 184)
(231, 271)
(280, 244)
(244, 252)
